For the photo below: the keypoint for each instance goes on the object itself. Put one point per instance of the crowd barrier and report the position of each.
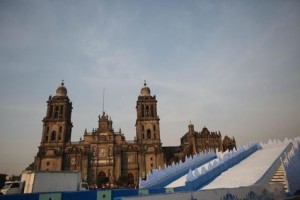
(90, 194)
(254, 192)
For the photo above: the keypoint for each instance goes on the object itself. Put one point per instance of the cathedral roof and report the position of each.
(145, 91)
(61, 90)
(205, 129)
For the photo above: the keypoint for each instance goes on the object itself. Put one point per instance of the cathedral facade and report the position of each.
(203, 141)
(194, 142)
(103, 155)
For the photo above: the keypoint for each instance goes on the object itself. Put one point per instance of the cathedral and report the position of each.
(195, 142)
(105, 156)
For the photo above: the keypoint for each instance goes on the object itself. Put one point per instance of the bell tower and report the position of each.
(147, 122)
(148, 132)
(57, 125)
(56, 133)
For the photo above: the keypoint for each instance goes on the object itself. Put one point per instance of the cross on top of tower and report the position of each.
(145, 91)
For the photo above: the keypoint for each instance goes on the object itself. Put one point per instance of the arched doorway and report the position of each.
(130, 179)
(102, 179)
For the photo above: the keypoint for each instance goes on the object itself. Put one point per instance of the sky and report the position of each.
(232, 66)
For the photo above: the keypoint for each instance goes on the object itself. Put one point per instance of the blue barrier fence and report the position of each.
(83, 195)
(254, 192)
(20, 197)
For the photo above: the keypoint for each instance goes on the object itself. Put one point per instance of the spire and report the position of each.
(103, 100)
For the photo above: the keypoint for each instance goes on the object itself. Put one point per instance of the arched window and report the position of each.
(61, 111)
(56, 112)
(147, 111)
(53, 136)
(152, 111)
(143, 112)
(148, 134)
(46, 139)
(47, 135)
(50, 111)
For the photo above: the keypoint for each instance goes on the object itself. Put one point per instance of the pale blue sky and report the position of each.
(232, 66)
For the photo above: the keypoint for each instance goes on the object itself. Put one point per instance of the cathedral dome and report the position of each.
(61, 90)
(145, 91)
